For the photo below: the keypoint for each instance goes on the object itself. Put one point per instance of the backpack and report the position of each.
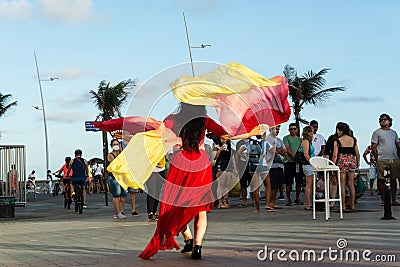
(254, 152)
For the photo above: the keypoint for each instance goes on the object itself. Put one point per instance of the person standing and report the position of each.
(328, 153)
(90, 178)
(292, 170)
(372, 168)
(154, 186)
(49, 181)
(347, 157)
(12, 181)
(318, 141)
(385, 145)
(225, 166)
(187, 193)
(98, 173)
(118, 193)
(261, 173)
(276, 172)
(243, 169)
(126, 138)
(308, 152)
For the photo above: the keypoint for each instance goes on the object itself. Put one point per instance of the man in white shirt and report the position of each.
(318, 140)
(275, 174)
(98, 172)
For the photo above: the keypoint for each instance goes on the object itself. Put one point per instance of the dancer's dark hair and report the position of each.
(190, 124)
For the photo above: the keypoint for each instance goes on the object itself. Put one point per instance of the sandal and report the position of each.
(395, 203)
(307, 208)
(270, 209)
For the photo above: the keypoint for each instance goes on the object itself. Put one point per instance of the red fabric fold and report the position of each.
(132, 124)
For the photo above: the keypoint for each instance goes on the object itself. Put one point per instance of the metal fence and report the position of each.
(13, 172)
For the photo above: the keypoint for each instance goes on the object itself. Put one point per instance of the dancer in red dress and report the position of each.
(187, 193)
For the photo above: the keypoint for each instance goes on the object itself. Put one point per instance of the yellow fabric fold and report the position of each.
(227, 79)
(258, 130)
(133, 167)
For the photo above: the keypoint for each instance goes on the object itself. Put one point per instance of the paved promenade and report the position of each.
(44, 234)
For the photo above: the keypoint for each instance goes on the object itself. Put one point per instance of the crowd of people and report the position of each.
(273, 165)
(193, 176)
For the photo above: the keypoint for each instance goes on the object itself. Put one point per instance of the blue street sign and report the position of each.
(90, 128)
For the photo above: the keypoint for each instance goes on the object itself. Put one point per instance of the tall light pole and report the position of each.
(190, 47)
(44, 112)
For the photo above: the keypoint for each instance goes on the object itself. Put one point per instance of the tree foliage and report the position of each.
(110, 99)
(5, 104)
(307, 89)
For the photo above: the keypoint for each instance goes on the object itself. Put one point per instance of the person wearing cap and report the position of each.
(79, 167)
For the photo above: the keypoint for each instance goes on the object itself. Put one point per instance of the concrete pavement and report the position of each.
(45, 234)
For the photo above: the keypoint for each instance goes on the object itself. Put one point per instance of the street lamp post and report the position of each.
(44, 113)
(190, 47)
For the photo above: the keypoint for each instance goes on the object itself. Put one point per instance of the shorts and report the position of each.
(245, 178)
(372, 172)
(262, 169)
(65, 181)
(392, 164)
(116, 188)
(133, 190)
(308, 170)
(290, 173)
(97, 179)
(80, 181)
(346, 162)
(276, 177)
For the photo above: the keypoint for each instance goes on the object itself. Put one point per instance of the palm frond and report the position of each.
(4, 105)
(323, 95)
(109, 99)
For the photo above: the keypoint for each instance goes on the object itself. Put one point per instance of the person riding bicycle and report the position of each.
(64, 170)
(31, 183)
(79, 168)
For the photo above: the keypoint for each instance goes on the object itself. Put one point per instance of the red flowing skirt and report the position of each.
(187, 192)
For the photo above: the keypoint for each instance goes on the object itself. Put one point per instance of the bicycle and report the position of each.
(57, 188)
(78, 198)
(67, 194)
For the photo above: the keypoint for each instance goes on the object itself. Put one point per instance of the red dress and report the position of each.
(187, 192)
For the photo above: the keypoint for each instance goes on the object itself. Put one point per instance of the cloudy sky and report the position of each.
(83, 42)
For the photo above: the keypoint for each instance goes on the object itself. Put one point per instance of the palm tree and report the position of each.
(5, 105)
(308, 89)
(109, 100)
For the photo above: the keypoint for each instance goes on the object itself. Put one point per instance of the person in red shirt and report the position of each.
(64, 170)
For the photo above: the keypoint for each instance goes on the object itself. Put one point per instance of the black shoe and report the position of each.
(152, 217)
(196, 252)
(188, 246)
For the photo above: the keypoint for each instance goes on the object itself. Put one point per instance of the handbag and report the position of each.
(299, 157)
